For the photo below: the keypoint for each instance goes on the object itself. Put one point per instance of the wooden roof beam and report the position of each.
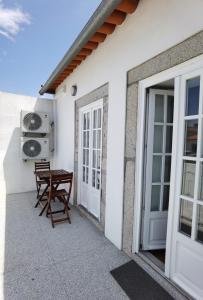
(107, 28)
(128, 6)
(74, 63)
(68, 69)
(60, 79)
(80, 57)
(91, 45)
(98, 37)
(117, 17)
(64, 75)
(54, 87)
(85, 52)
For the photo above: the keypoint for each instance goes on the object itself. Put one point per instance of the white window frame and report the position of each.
(172, 73)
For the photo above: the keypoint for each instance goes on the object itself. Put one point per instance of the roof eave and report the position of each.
(95, 22)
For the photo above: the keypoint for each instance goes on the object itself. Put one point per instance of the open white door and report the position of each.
(158, 167)
(187, 258)
(90, 157)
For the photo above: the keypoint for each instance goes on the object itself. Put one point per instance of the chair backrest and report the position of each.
(45, 165)
(56, 180)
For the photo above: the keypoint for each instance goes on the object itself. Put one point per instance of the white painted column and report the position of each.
(115, 160)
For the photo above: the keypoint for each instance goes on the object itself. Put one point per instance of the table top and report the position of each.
(46, 174)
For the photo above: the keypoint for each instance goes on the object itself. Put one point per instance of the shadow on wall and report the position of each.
(18, 175)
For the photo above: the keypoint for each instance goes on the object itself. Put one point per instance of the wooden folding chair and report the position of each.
(63, 195)
(41, 166)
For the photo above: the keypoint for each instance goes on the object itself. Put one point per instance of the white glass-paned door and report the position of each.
(187, 266)
(90, 162)
(158, 168)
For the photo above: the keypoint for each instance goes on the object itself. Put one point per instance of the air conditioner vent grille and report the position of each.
(32, 121)
(32, 148)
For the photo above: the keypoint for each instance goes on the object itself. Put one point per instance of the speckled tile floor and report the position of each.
(67, 262)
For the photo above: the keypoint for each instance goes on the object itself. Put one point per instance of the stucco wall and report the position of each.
(155, 26)
(16, 176)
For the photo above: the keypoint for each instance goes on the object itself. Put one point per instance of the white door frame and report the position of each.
(175, 72)
(92, 105)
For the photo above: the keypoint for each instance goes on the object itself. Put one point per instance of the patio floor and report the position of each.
(67, 262)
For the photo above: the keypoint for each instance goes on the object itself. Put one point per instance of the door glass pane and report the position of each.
(200, 223)
(200, 196)
(87, 157)
(99, 118)
(93, 177)
(155, 197)
(185, 220)
(191, 129)
(166, 197)
(83, 174)
(170, 103)
(87, 138)
(98, 180)
(158, 139)
(169, 135)
(188, 181)
(87, 174)
(95, 119)
(98, 139)
(94, 159)
(98, 160)
(167, 171)
(156, 169)
(94, 138)
(88, 120)
(192, 96)
(84, 121)
(159, 108)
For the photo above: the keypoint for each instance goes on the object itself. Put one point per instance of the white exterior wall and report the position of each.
(64, 117)
(16, 176)
(155, 26)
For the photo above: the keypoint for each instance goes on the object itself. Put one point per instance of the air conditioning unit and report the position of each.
(34, 148)
(34, 122)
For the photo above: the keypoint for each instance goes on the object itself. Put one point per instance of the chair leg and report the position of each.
(66, 210)
(49, 210)
(68, 216)
(40, 198)
(38, 190)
